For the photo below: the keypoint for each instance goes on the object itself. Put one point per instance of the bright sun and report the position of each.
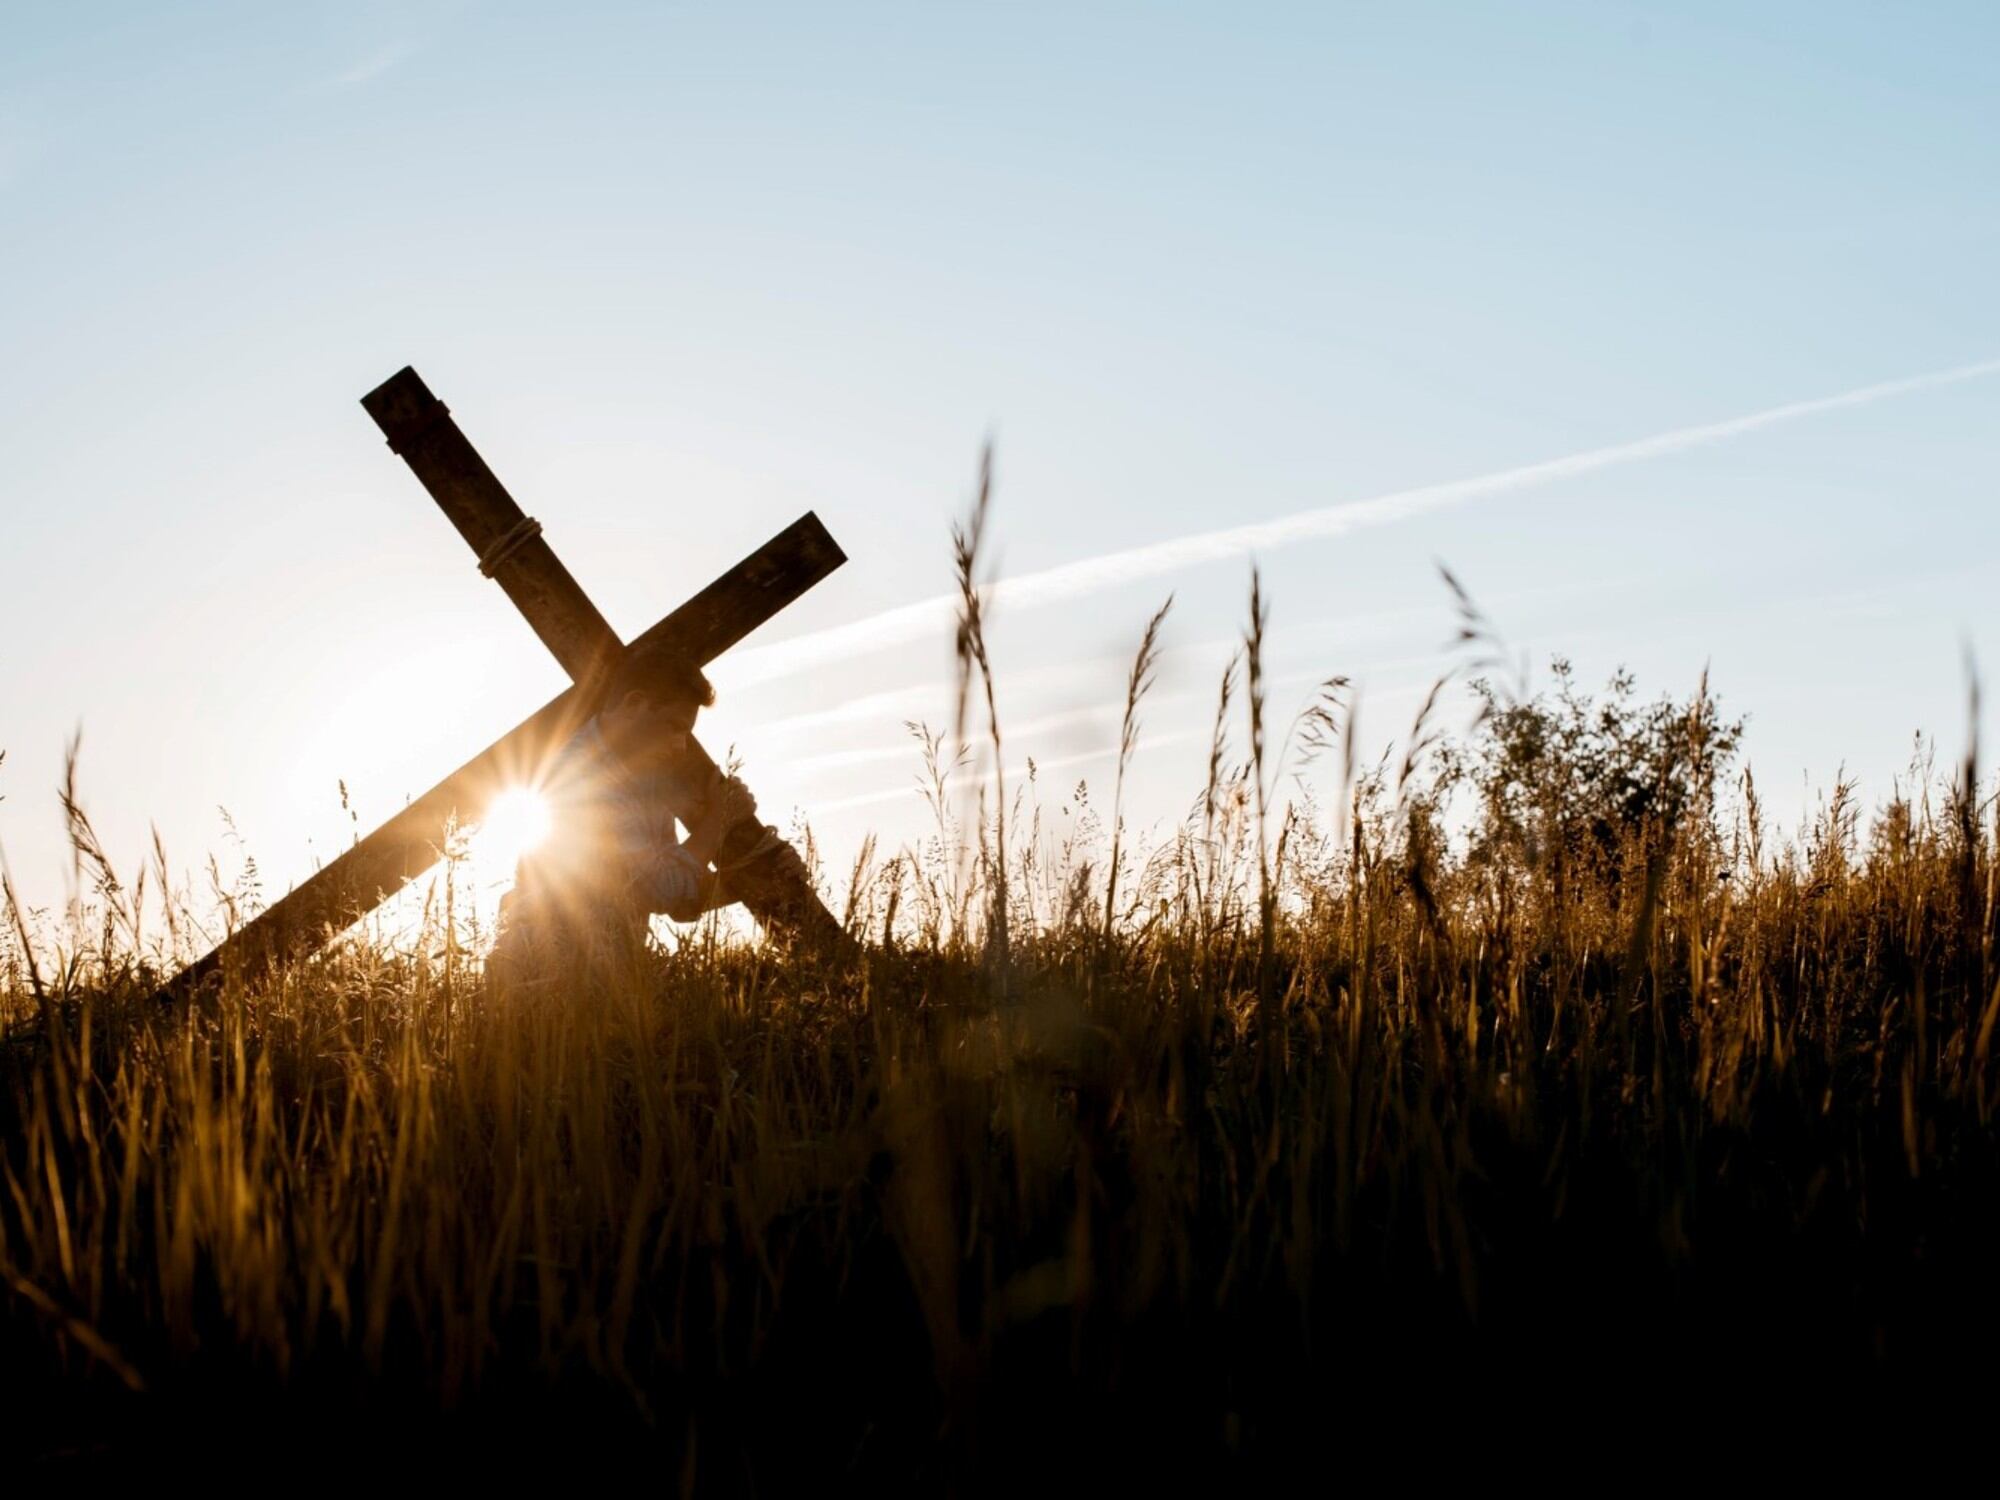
(516, 822)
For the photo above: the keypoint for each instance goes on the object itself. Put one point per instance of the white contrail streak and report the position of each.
(935, 616)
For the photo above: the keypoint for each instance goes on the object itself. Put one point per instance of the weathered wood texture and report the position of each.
(421, 430)
(375, 868)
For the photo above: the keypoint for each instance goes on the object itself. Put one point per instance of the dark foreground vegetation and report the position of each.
(1533, 1093)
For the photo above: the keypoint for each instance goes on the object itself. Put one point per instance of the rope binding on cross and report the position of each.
(770, 840)
(508, 543)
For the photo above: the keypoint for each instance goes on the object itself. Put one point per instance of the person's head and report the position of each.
(650, 705)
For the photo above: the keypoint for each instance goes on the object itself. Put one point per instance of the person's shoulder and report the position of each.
(583, 757)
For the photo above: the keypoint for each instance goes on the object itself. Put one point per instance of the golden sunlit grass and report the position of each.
(1527, 1083)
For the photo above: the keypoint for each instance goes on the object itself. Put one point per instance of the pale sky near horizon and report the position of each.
(685, 271)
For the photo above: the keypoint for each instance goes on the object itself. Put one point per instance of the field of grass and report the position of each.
(1531, 1089)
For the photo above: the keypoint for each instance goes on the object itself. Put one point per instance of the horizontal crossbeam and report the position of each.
(375, 868)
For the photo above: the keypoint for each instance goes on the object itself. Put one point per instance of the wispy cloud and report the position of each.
(374, 65)
(929, 617)
(1014, 773)
(1149, 741)
(1104, 717)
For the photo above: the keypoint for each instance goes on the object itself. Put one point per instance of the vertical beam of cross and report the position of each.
(509, 546)
(511, 550)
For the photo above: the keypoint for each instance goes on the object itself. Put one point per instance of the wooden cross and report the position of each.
(512, 552)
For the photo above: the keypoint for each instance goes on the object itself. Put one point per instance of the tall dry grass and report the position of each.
(1587, 1100)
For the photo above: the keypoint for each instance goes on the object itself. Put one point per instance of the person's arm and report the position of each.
(670, 881)
(729, 805)
(673, 878)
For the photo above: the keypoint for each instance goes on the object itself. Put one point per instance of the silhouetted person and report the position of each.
(613, 857)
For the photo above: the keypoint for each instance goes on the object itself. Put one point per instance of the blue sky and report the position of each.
(686, 271)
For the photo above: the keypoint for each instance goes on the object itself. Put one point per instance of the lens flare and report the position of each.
(517, 821)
